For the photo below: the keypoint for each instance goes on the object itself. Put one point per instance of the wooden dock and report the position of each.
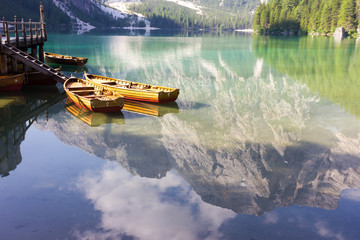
(17, 38)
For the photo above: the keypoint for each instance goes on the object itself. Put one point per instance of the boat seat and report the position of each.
(127, 85)
(84, 91)
(93, 96)
(109, 83)
(80, 88)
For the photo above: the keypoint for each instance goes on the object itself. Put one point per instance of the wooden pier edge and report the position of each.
(17, 37)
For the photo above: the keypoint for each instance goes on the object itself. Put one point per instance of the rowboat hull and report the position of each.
(151, 93)
(12, 82)
(63, 59)
(95, 102)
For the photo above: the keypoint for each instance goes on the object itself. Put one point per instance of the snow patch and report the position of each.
(112, 11)
(188, 5)
(122, 6)
(81, 27)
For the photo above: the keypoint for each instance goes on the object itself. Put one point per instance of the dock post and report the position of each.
(42, 25)
(3, 64)
(31, 33)
(34, 51)
(6, 30)
(14, 65)
(41, 52)
(23, 31)
(16, 31)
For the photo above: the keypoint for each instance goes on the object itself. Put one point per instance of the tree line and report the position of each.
(307, 16)
(165, 14)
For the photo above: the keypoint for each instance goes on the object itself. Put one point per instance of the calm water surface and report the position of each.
(262, 143)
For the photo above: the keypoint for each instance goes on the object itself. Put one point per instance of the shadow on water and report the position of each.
(188, 105)
(18, 111)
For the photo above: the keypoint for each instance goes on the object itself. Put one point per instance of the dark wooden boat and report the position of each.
(97, 99)
(63, 59)
(11, 82)
(135, 90)
(93, 119)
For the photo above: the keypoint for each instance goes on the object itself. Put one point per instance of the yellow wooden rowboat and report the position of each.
(95, 98)
(135, 90)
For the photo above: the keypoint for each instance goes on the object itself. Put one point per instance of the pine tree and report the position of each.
(325, 21)
(347, 15)
(265, 19)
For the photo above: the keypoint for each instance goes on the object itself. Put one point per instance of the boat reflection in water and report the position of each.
(91, 118)
(18, 111)
(97, 119)
(151, 109)
(69, 68)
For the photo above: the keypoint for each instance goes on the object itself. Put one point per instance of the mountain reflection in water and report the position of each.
(264, 140)
(248, 133)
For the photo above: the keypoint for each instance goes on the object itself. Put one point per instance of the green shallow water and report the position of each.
(262, 143)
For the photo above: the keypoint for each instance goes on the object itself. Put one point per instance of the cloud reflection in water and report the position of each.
(145, 208)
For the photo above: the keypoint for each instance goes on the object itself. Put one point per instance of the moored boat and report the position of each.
(11, 82)
(64, 59)
(135, 90)
(95, 98)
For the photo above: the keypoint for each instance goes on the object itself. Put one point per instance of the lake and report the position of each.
(262, 143)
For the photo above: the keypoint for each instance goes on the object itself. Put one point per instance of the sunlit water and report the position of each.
(262, 143)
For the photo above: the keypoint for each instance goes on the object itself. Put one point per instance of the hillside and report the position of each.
(316, 17)
(26, 9)
(198, 14)
(67, 15)
(83, 15)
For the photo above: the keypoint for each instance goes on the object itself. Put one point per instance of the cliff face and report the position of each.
(83, 5)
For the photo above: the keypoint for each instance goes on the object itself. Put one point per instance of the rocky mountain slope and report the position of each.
(84, 15)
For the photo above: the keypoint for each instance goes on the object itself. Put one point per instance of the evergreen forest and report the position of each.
(307, 16)
(164, 14)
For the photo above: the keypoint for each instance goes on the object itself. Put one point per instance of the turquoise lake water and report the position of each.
(262, 143)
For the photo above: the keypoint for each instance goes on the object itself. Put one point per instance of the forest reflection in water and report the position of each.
(249, 132)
